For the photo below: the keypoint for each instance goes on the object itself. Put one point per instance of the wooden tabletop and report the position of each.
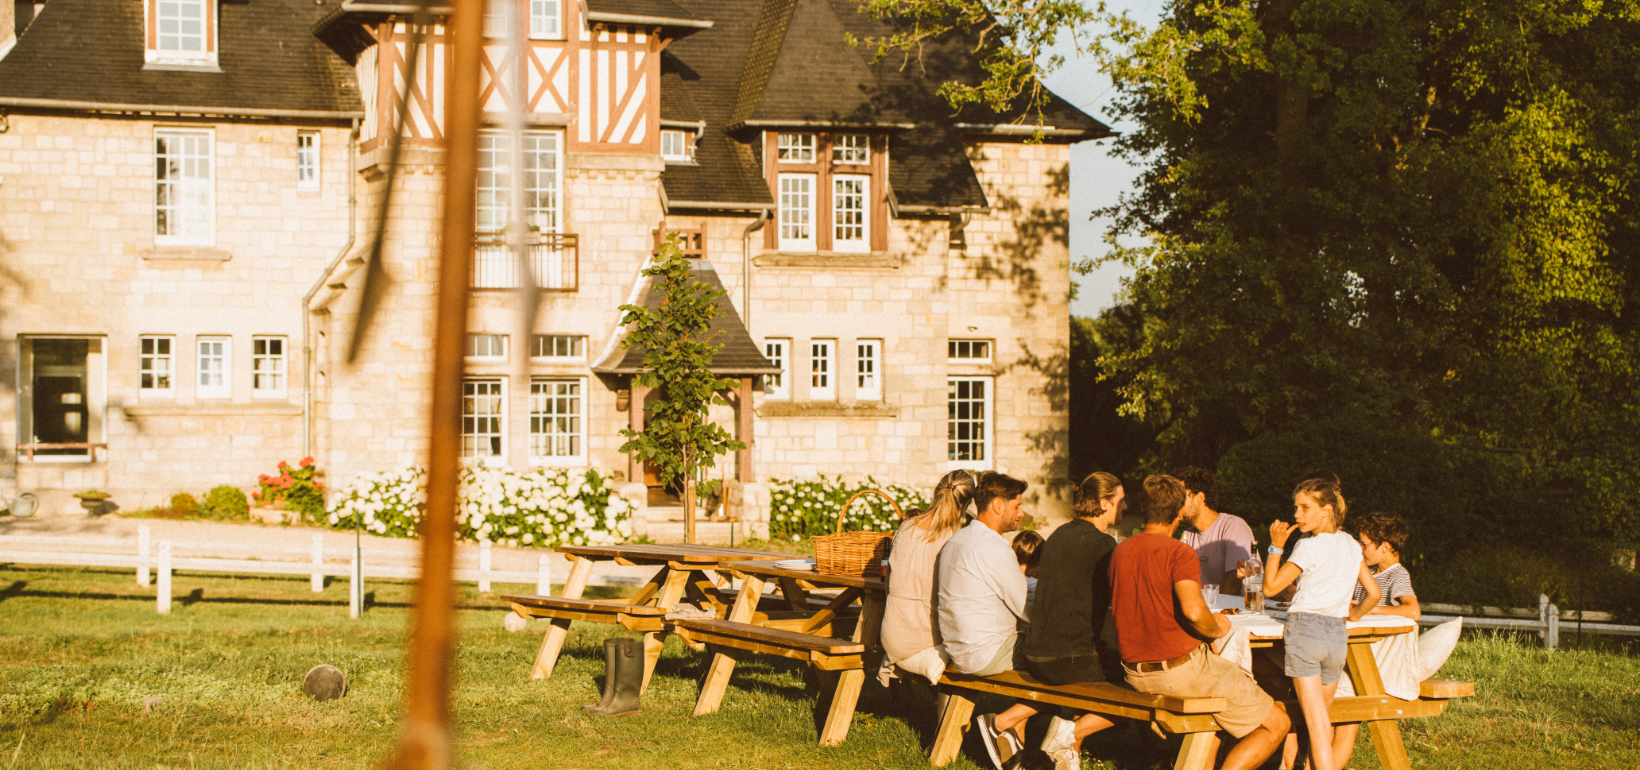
(768, 568)
(684, 552)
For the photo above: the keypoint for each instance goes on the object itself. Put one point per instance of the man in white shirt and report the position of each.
(981, 597)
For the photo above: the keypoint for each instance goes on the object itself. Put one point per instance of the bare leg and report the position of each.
(1315, 700)
(1014, 716)
(1258, 745)
(1289, 751)
(1344, 743)
(1088, 724)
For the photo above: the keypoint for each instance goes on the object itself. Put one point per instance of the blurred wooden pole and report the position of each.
(426, 741)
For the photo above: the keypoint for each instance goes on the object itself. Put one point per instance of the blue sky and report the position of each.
(1097, 178)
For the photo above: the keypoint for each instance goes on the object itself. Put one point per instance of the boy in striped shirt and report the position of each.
(1383, 537)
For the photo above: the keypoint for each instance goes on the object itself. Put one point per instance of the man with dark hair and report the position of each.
(1155, 583)
(1222, 540)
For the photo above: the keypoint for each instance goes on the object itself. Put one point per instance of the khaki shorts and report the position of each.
(1207, 675)
(1006, 659)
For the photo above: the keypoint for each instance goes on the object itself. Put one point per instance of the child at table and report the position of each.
(1028, 551)
(1327, 566)
(1383, 538)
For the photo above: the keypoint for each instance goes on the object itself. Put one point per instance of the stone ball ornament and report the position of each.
(324, 682)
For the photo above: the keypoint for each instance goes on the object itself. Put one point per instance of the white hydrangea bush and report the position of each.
(808, 507)
(544, 507)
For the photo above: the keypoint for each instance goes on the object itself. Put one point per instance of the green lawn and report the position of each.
(90, 676)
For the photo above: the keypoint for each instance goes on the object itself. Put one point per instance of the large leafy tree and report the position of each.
(1419, 213)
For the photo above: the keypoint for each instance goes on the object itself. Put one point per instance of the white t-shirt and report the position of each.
(1332, 566)
(981, 596)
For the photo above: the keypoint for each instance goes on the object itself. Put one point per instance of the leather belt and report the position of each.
(1158, 666)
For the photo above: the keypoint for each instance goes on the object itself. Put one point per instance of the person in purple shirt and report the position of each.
(1221, 540)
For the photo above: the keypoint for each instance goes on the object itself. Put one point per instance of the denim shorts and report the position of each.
(1316, 645)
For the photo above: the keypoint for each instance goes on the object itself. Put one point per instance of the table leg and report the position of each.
(1386, 734)
(796, 597)
(580, 569)
(869, 632)
(1198, 752)
(724, 658)
(953, 723)
(676, 581)
(841, 714)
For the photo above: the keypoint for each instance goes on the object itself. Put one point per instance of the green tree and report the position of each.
(678, 435)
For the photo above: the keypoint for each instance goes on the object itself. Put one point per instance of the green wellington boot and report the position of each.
(627, 673)
(611, 649)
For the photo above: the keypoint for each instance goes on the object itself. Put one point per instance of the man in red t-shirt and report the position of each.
(1155, 582)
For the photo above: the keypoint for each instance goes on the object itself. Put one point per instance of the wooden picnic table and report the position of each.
(811, 641)
(1371, 703)
(686, 571)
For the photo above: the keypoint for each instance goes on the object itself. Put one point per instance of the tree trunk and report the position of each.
(689, 509)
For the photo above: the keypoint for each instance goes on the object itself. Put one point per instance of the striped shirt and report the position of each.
(1393, 583)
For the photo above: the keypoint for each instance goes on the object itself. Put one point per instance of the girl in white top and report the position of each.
(1327, 566)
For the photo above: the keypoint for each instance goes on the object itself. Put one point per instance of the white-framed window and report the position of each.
(268, 372)
(544, 16)
(558, 346)
(822, 370)
(156, 366)
(180, 28)
(307, 160)
(676, 144)
(968, 422)
(483, 416)
(797, 211)
(795, 147)
(540, 178)
(184, 187)
(213, 368)
(968, 351)
(498, 17)
(850, 207)
(778, 353)
(486, 347)
(851, 149)
(868, 370)
(557, 422)
(63, 399)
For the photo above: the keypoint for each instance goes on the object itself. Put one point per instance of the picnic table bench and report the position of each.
(1193, 717)
(686, 572)
(808, 637)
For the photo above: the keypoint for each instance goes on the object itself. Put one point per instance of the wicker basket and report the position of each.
(856, 554)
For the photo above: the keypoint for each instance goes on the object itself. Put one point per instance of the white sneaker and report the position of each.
(1001, 745)
(1060, 745)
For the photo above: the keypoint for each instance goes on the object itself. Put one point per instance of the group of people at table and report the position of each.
(1080, 606)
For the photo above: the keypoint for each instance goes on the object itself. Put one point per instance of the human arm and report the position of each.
(1408, 608)
(1278, 575)
(1203, 621)
(1364, 607)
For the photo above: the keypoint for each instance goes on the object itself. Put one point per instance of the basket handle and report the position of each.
(878, 492)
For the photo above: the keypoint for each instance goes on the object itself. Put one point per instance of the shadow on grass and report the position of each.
(15, 589)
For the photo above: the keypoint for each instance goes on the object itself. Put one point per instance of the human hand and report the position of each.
(1223, 623)
(1279, 532)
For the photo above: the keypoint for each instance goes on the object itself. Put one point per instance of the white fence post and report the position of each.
(1554, 627)
(484, 567)
(543, 576)
(355, 586)
(163, 595)
(1543, 617)
(318, 563)
(142, 553)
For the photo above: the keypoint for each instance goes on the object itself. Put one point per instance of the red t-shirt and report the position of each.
(1143, 570)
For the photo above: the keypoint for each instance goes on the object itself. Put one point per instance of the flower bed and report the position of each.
(809, 507)
(545, 507)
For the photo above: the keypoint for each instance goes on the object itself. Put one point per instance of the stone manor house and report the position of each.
(186, 191)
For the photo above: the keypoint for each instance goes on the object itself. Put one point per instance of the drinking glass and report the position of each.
(1210, 594)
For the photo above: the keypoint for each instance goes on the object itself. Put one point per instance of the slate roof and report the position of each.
(739, 356)
(92, 51)
(649, 9)
(786, 62)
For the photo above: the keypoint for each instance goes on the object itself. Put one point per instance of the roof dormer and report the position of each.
(180, 34)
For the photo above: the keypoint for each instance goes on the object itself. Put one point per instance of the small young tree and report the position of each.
(678, 436)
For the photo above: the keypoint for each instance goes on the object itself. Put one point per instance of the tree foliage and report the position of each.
(678, 435)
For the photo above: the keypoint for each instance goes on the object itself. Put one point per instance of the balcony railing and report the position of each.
(553, 258)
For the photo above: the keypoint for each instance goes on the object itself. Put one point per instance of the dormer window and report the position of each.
(181, 32)
(543, 18)
(796, 148)
(677, 145)
(830, 192)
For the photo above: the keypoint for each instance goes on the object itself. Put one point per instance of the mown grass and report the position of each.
(91, 677)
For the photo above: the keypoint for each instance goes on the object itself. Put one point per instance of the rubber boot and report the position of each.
(628, 678)
(612, 646)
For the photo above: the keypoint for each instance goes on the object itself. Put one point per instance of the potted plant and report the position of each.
(93, 501)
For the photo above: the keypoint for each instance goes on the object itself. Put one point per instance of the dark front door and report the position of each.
(61, 408)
